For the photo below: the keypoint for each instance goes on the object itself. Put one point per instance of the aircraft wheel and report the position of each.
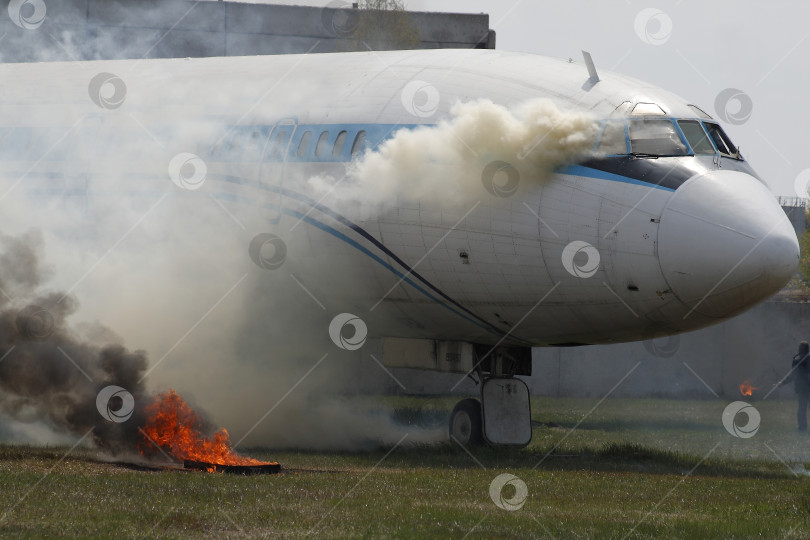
(465, 422)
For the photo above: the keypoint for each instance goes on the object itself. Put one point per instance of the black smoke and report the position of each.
(48, 372)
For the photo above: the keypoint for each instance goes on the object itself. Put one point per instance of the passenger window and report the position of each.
(721, 140)
(252, 147)
(304, 144)
(357, 146)
(696, 137)
(338, 148)
(613, 139)
(323, 141)
(243, 144)
(237, 144)
(655, 137)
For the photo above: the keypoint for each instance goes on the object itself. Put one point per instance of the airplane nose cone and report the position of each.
(725, 244)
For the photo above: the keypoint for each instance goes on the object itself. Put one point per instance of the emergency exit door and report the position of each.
(273, 168)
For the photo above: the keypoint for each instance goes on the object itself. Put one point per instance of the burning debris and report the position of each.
(747, 388)
(50, 373)
(245, 470)
(176, 429)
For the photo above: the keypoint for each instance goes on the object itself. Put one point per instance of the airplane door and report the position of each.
(271, 173)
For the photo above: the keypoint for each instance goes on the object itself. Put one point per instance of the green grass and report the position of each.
(624, 469)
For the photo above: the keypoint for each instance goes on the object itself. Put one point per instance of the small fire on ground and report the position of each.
(747, 388)
(176, 429)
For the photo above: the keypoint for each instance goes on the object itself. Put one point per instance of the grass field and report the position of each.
(631, 468)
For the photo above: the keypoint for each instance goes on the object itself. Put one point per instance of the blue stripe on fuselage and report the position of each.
(588, 172)
(318, 143)
(404, 277)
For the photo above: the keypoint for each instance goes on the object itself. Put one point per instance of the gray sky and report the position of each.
(760, 48)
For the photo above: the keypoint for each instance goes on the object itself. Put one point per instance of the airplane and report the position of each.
(663, 228)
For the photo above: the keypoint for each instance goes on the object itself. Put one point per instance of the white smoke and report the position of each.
(445, 162)
(168, 269)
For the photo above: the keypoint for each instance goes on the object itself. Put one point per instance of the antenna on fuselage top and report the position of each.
(591, 67)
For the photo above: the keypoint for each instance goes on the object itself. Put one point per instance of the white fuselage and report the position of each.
(682, 242)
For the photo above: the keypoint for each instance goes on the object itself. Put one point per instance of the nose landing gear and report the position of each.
(503, 415)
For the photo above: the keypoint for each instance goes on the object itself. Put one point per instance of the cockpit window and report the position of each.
(622, 109)
(696, 137)
(721, 140)
(700, 112)
(647, 109)
(613, 140)
(655, 137)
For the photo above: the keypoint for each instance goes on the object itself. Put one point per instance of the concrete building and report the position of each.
(50, 30)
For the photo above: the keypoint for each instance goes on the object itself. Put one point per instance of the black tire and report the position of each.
(465, 422)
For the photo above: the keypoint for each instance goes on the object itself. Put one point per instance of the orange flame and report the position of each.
(175, 427)
(747, 388)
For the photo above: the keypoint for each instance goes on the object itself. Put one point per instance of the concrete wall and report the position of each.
(757, 345)
(796, 215)
(117, 29)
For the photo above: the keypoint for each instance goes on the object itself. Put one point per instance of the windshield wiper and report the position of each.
(644, 155)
